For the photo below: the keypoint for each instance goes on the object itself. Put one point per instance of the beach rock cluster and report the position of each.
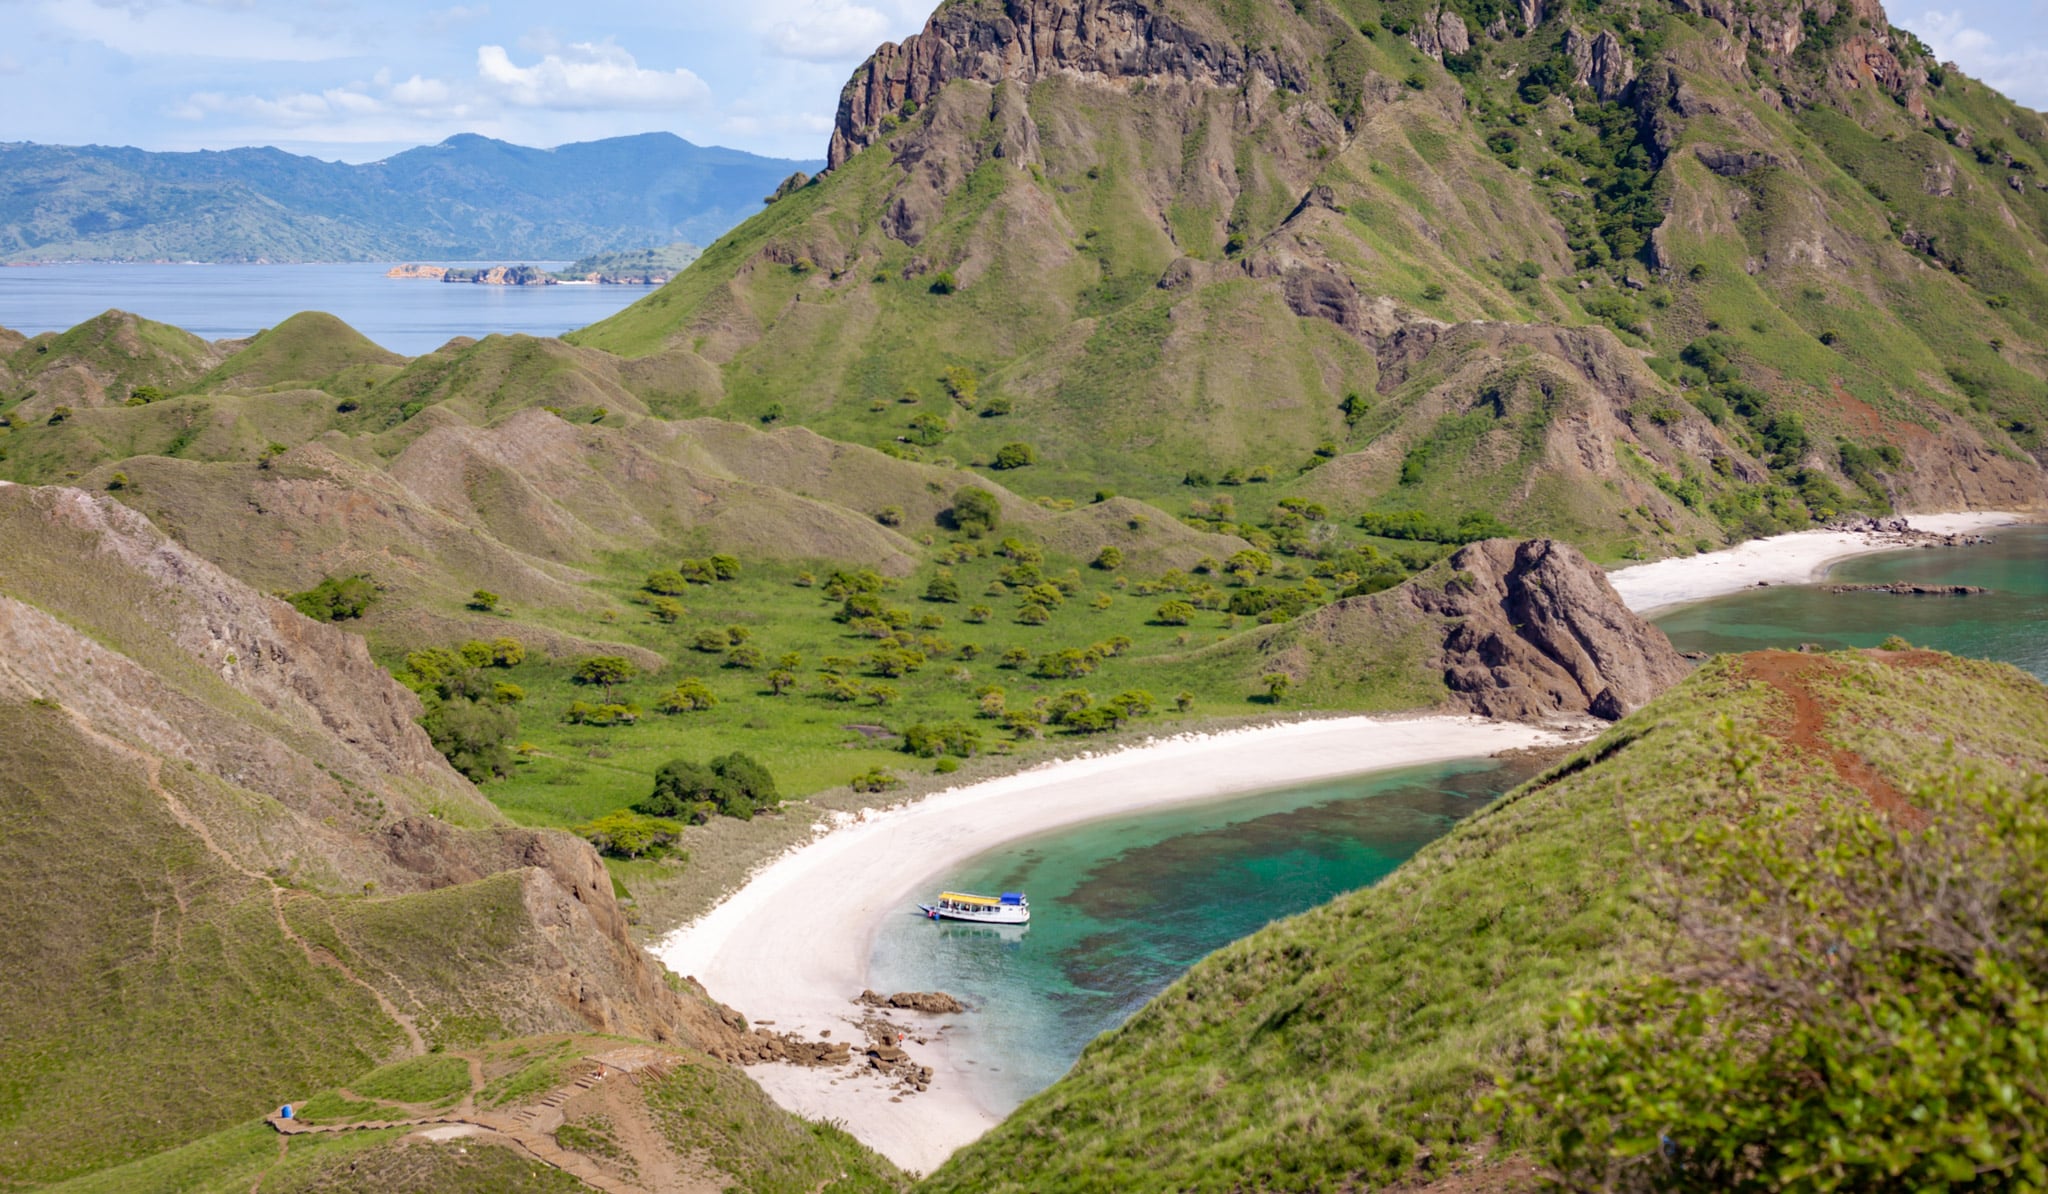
(936, 1003)
(761, 1048)
(1905, 589)
(1900, 531)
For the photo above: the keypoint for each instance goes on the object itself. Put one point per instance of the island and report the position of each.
(637, 267)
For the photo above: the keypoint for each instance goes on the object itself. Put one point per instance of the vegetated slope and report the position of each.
(1526, 631)
(236, 868)
(547, 1114)
(1346, 1047)
(1635, 275)
(101, 362)
(467, 198)
(512, 464)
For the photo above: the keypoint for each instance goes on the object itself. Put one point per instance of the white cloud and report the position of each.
(828, 31)
(10, 65)
(2016, 66)
(587, 76)
(292, 110)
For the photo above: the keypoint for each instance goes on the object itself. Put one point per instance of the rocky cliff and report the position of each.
(1523, 631)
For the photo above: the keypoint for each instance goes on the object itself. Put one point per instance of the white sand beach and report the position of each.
(793, 945)
(1795, 559)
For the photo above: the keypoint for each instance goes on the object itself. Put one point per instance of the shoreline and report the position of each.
(792, 946)
(1799, 558)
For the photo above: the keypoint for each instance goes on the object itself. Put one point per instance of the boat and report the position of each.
(1010, 908)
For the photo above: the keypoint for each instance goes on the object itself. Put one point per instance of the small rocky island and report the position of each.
(1907, 589)
(639, 267)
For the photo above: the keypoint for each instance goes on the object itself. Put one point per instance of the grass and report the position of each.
(436, 1080)
(718, 1112)
(1347, 1045)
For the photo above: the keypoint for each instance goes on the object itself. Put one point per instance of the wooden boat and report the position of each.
(1010, 908)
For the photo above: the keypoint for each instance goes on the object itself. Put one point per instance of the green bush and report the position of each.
(627, 834)
(475, 737)
(733, 785)
(1014, 455)
(336, 599)
(975, 511)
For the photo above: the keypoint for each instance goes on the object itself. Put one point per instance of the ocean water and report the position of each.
(218, 302)
(2010, 623)
(1122, 907)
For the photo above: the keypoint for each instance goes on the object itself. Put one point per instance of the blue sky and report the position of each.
(358, 79)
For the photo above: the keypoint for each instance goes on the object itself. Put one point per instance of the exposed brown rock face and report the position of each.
(1439, 32)
(1600, 62)
(1539, 633)
(1026, 41)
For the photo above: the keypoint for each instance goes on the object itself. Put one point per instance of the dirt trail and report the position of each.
(1795, 675)
(520, 1130)
(152, 770)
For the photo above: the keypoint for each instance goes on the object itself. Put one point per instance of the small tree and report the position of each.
(943, 588)
(483, 601)
(1016, 454)
(665, 581)
(712, 640)
(781, 680)
(690, 695)
(606, 672)
(1174, 613)
(1110, 558)
(744, 657)
(667, 610)
(1183, 701)
(976, 511)
(1277, 685)
(627, 834)
(724, 567)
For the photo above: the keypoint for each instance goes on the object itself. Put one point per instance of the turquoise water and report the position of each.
(2010, 623)
(217, 302)
(1122, 907)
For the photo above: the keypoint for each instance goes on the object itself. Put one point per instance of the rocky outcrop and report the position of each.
(1027, 40)
(1536, 631)
(936, 1003)
(1517, 630)
(1600, 62)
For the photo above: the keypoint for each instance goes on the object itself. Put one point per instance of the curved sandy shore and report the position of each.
(792, 946)
(1795, 559)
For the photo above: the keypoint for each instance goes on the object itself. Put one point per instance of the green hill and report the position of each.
(1347, 1047)
(1631, 275)
(239, 872)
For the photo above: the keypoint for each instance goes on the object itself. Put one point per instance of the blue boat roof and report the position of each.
(1013, 897)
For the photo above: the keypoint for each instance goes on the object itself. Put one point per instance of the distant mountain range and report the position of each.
(468, 198)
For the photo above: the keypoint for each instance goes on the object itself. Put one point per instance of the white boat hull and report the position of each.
(991, 916)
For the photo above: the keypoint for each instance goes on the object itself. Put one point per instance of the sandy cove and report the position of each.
(792, 946)
(1795, 559)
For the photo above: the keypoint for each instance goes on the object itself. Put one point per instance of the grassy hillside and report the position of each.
(1699, 246)
(674, 1120)
(1349, 1045)
(238, 870)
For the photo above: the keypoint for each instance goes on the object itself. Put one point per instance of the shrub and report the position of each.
(117, 482)
(943, 738)
(483, 601)
(942, 589)
(1110, 558)
(733, 785)
(1014, 455)
(627, 834)
(666, 582)
(877, 779)
(336, 599)
(943, 283)
(690, 695)
(1174, 613)
(476, 738)
(975, 511)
